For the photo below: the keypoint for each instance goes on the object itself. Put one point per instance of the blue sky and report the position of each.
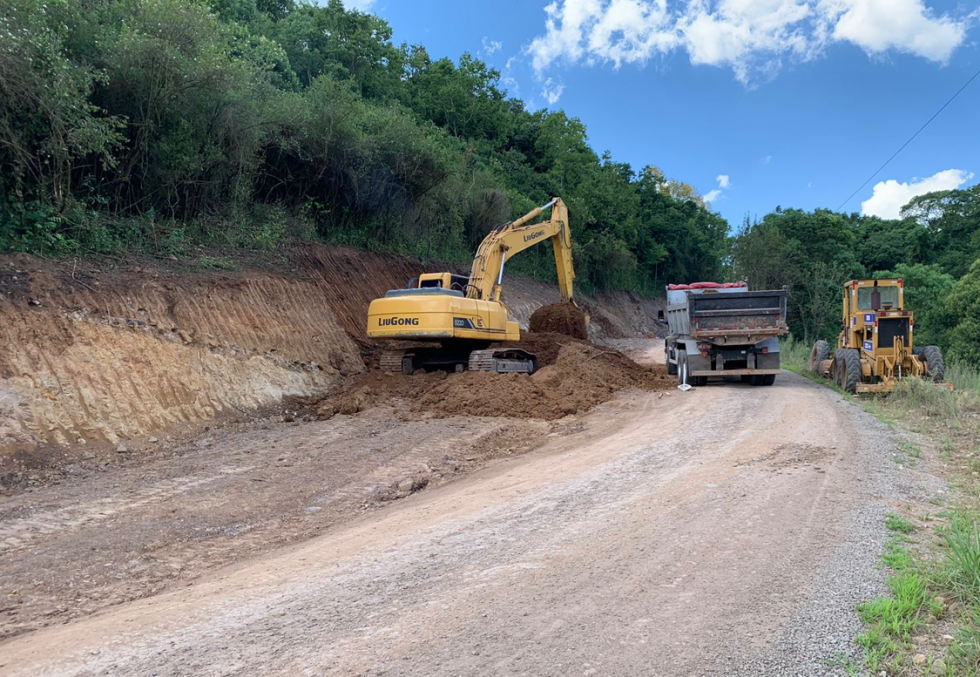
(757, 103)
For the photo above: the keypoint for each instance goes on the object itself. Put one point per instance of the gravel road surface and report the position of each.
(726, 531)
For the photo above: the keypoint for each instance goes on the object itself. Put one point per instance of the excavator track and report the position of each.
(392, 360)
(502, 361)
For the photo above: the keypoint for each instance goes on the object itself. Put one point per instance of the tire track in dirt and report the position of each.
(674, 535)
(16, 534)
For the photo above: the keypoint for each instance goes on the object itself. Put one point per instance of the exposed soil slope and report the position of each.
(112, 353)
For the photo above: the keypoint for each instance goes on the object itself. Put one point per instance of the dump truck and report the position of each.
(459, 316)
(724, 330)
(875, 348)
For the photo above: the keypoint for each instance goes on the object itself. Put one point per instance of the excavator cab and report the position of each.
(449, 281)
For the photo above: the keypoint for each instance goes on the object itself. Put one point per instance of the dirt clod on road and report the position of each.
(573, 377)
(560, 318)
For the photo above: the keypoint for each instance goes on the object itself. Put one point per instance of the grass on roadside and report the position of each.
(959, 576)
(899, 524)
(939, 578)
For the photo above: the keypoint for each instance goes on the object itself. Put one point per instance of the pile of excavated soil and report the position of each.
(560, 318)
(574, 376)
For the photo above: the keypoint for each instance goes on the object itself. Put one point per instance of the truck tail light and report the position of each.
(765, 351)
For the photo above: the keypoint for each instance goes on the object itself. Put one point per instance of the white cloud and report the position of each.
(491, 46)
(752, 37)
(766, 160)
(878, 26)
(890, 196)
(724, 181)
(552, 91)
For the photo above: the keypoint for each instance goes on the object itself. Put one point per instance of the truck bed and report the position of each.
(728, 315)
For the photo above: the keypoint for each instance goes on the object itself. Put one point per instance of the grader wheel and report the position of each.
(850, 375)
(935, 366)
(837, 367)
(820, 352)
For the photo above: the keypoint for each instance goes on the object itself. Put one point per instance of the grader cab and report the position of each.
(875, 349)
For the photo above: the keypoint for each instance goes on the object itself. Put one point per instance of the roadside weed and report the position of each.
(910, 449)
(895, 556)
(962, 537)
(846, 663)
(898, 523)
(898, 616)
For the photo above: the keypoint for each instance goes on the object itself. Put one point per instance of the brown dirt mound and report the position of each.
(560, 318)
(575, 377)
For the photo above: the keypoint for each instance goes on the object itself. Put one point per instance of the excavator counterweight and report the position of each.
(464, 315)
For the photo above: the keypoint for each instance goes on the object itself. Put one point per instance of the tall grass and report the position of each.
(964, 376)
(794, 354)
(962, 538)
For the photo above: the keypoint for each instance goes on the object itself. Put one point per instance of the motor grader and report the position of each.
(459, 316)
(875, 349)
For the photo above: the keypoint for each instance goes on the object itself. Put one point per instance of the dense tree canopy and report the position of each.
(158, 123)
(935, 248)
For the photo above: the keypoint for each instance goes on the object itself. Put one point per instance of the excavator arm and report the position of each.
(510, 239)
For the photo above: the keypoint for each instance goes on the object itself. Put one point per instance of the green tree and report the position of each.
(952, 217)
(963, 308)
(926, 291)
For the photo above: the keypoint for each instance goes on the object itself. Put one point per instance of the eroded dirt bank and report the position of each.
(109, 355)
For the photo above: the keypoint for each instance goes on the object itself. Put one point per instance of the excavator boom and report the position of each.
(512, 238)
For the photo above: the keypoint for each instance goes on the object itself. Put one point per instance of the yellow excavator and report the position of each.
(464, 315)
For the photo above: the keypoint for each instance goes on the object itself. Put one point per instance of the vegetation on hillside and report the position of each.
(159, 124)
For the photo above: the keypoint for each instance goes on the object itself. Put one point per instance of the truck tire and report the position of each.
(935, 367)
(851, 373)
(671, 366)
(820, 352)
(763, 380)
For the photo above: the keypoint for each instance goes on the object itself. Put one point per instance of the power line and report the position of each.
(911, 139)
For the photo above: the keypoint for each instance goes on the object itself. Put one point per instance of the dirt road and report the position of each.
(729, 531)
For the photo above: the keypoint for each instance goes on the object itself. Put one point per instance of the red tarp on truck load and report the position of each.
(705, 285)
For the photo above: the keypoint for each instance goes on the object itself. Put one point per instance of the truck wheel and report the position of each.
(681, 367)
(820, 352)
(851, 373)
(671, 366)
(768, 379)
(935, 367)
